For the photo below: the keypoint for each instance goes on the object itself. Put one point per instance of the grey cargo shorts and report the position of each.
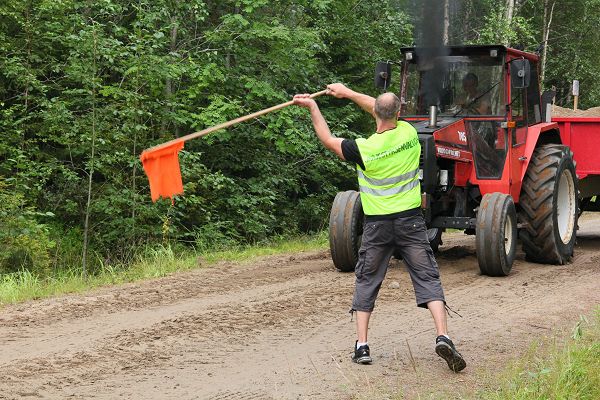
(380, 239)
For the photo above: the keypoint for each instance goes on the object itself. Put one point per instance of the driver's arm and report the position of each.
(484, 107)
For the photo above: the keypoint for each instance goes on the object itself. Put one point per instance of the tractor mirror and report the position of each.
(520, 73)
(383, 74)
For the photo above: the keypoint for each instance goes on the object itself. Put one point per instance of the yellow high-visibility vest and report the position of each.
(390, 182)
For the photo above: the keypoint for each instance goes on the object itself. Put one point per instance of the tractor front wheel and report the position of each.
(496, 234)
(434, 235)
(549, 205)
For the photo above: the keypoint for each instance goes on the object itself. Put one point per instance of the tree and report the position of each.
(547, 23)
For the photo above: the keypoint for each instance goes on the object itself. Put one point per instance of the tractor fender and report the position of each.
(538, 135)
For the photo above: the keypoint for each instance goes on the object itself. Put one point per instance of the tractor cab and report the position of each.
(461, 81)
(472, 103)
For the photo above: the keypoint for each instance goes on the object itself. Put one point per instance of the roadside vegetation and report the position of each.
(25, 285)
(559, 368)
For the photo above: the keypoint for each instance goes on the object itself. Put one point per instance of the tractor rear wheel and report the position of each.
(496, 234)
(549, 205)
(345, 230)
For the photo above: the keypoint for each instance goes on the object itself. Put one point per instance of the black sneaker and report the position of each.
(362, 354)
(445, 349)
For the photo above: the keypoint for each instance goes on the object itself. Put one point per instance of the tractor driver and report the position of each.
(473, 101)
(388, 175)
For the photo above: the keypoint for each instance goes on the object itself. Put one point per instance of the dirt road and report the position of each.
(279, 328)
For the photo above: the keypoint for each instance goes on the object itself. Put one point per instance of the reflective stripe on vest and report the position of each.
(390, 181)
(390, 191)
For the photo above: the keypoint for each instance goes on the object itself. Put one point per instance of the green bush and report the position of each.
(24, 243)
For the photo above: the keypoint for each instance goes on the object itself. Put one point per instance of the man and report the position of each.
(388, 175)
(473, 101)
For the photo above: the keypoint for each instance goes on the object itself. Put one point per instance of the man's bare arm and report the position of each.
(321, 128)
(484, 107)
(324, 134)
(364, 101)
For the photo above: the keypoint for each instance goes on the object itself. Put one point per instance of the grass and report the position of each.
(556, 369)
(279, 246)
(24, 285)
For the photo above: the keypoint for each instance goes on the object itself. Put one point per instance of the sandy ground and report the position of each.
(279, 328)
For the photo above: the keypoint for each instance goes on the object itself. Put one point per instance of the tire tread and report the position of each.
(537, 194)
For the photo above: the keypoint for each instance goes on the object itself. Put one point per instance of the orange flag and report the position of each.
(162, 169)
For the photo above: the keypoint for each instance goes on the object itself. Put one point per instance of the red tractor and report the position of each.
(490, 164)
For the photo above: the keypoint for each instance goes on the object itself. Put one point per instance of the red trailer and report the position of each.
(582, 135)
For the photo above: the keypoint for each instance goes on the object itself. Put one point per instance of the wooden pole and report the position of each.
(575, 94)
(227, 124)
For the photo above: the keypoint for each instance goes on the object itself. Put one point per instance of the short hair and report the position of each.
(387, 106)
(471, 77)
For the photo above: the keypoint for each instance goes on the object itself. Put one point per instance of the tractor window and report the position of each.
(469, 85)
(489, 144)
(517, 105)
(519, 115)
(410, 103)
(534, 114)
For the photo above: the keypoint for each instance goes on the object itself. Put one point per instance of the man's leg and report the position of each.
(438, 312)
(373, 258)
(412, 242)
(362, 325)
(444, 347)
(411, 239)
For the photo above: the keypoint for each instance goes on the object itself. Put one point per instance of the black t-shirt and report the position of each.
(351, 152)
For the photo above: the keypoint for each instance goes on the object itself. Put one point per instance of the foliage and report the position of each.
(573, 52)
(24, 243)
(84, 87)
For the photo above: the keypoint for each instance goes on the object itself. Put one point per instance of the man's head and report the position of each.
(387, 107)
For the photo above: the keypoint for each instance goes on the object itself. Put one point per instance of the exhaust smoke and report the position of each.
(432, 35)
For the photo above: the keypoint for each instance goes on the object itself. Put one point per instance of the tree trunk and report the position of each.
(135, 136)
(169, 81)
(467, 35)
(546, 34)
(510, 10)
(172, 48)
(86, 223)
(446, 21)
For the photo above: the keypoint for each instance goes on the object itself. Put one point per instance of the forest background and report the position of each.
(85, 86)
